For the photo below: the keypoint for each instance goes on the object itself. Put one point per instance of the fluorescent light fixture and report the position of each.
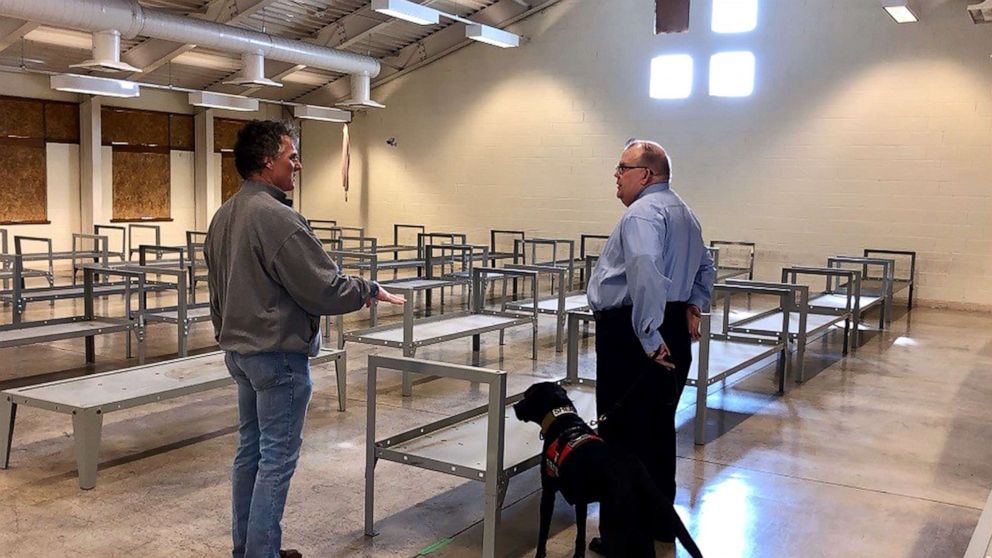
(671, 76)
(222, 101)
(407, 11)
(902, 11)
(491, 35)
(732, 74)
(90, 85)
(981, 12)
(734, 16)
(310, 112)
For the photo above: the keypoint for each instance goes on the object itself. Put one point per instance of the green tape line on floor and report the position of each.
(436, 546)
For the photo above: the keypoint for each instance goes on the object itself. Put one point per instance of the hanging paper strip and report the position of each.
(345, 159)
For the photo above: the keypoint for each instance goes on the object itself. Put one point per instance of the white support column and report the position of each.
(206, 189)
(91, 194)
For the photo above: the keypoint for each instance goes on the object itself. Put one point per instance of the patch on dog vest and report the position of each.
(564, 445)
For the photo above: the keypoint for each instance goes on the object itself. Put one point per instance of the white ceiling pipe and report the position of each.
(253, 72)
(133, 20)
(106, 54)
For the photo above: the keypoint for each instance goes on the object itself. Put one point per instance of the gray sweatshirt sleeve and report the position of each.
(313, 280)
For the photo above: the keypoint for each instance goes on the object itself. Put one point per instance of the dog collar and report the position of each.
(555, 413)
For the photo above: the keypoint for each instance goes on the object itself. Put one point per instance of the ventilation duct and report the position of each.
(981, 13)
(132, 20)
(253, 72)
(361, 87)
(106, 54)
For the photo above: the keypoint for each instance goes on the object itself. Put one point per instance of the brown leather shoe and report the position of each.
(290, 553)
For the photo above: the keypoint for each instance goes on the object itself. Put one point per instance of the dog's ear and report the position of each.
(528, 408)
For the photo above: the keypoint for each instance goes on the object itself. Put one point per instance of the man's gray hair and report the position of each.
(651, 155)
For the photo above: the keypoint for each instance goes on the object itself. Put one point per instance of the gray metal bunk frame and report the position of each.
(713, 361)
(78, 256)
(479, 447)
(898, 283)
(186, 311)
(89, 398)
(732, 272)
(868, 298)
(457, 325)
(99, 230)
(87, 325)
(802, 329)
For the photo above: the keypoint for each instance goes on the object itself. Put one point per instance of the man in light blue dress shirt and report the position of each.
(653, 278)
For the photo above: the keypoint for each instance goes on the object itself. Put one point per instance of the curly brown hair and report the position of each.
(258, 141)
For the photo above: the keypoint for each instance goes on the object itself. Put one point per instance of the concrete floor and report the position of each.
(884, 453)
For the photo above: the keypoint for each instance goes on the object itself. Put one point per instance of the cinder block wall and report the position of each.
(860, 133)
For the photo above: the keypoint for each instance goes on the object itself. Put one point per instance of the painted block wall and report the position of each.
(860, 133)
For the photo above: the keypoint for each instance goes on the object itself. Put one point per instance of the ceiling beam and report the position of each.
(13, 30)
(154, 53)
(429, 49)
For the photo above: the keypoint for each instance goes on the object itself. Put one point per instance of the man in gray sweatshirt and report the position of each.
(270, 281)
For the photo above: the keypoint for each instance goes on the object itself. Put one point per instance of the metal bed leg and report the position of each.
(370, 457)
(183, 332)
(86, 429)
(341, 370)
(572, 353)
(801, 359)
(8, 412)
(847, 333)
(702, 381)
(783, 367)
(140, 332)
(91, 350)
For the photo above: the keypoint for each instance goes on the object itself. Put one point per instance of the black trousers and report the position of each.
(640, 396)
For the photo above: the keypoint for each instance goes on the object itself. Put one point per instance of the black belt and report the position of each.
(624, 312)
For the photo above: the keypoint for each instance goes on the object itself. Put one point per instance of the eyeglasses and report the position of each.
(622, 168)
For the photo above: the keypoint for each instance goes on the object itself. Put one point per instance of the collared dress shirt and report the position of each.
(654, 255)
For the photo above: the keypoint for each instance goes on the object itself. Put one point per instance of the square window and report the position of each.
(732, 74)
(734, 16)
(671, 76)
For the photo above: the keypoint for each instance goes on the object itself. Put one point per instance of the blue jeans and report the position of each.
(273, 393)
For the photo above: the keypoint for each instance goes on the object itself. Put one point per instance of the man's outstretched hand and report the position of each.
(384, 296)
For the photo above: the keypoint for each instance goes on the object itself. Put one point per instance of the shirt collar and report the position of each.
(260, 186)
(654, 188)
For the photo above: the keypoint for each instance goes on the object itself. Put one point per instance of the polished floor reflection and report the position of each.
(885, 453)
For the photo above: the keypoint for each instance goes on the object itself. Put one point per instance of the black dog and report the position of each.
(576, 462)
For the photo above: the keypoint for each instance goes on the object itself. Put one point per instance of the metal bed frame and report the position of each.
(87, 325)
(99, 230)
(584, 254)
(807, 321)
(426, 282)
(186, 311)
(880, 295)
(568, 262)
(412, 334)
(557, 305)
(89, 398)
(77, 255)
(898, 283)
(716, 355)
(396, 247)
(197, 262)
(732, 272)
(479, 444)
(6, 266)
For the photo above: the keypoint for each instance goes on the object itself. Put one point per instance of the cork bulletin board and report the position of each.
(225, 135)
(23, 171)
(24, 195)
(141, 184)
